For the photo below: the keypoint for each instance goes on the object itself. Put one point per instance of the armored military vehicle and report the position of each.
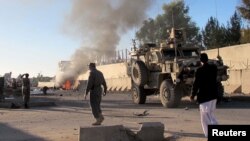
(167, 70)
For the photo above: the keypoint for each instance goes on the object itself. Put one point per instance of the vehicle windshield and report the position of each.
(170, 53)
(180, 53)
(190, 53)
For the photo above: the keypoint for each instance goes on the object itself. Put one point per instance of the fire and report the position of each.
(67, 85)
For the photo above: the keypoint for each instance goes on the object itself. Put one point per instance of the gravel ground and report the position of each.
(62, 121)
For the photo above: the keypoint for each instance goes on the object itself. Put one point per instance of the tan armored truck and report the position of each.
(167, 70)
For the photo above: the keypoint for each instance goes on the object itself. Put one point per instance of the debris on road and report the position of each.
(145, 113)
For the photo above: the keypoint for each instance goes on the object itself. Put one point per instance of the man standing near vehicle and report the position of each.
(205, 87)
(26, 90)
(95, 80)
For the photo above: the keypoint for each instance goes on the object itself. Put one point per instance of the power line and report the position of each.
(215, 8)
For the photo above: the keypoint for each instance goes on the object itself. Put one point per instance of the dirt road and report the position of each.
(62, 122)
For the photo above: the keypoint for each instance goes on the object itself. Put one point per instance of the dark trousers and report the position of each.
(26, 96)
(95, 102)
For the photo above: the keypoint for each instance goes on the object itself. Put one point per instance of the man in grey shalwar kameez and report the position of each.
(95, 82)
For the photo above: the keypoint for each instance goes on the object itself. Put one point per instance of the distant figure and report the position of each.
(14, 83)
(1, 88)
(205, 88)
(7, 80)
(26, 90)
(95, 81)
(45, 88)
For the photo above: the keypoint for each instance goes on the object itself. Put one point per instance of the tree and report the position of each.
(244, 9)
(234, 29)
(175, 15)
(147, 32)
(216, 35)
(245, 38)
(212, 33)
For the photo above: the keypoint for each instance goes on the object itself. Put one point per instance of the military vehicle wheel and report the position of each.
(220, 92)
(138, 95)
(139, 73)
(170, 97)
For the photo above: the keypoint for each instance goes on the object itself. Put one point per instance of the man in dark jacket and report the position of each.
(205, 88)
(94, 86)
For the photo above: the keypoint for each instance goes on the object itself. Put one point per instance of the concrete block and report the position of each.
(232, 89)
(151, 131)
(103, 133)
(245, 81)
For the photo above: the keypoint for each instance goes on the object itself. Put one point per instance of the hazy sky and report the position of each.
(33, 40)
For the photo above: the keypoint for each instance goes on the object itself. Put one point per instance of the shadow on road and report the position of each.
(124, 101)
(8, 133)
(174, 136)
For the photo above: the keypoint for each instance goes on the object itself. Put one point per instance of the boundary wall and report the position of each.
(236, 57)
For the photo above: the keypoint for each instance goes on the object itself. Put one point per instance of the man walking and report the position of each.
(205, 88)
(26, 90)
(95, 80)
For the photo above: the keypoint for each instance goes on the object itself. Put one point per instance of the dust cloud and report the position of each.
(99, 24)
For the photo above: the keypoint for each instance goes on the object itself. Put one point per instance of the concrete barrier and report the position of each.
(119, 84)
(236, 57)
(48, 84)
(233, 84)
(246, 82)
(103, 133)
(238, 82)
(151, 131)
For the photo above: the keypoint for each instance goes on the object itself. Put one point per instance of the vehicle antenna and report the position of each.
(173, 31)
(218, 56)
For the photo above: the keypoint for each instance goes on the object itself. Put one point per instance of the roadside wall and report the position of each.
(245, 81)
(236, 57)
(48, 84)
(115, 75)
(109, 71)
(238, 82)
